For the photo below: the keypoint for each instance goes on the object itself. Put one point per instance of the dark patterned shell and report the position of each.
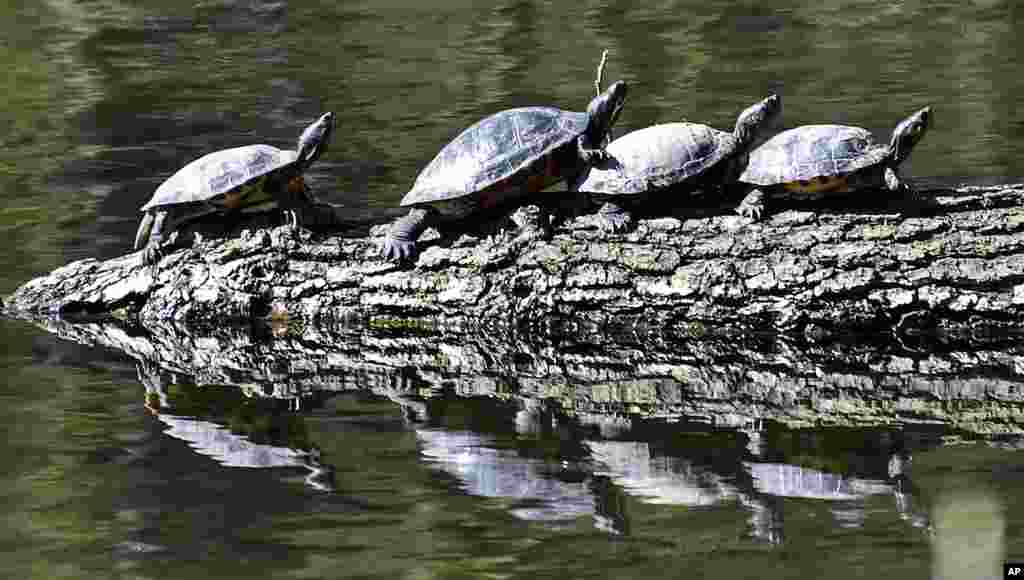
(657, 157)
(494, 149)
(813, 151)
(218, 173)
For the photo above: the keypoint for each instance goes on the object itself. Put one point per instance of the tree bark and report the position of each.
(957, 263)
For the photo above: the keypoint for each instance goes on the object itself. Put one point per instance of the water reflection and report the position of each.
(969, 535)
(659, 479)
(104, 98)
(801, 482)
(428, 446)
(559, 492)
(613, 435)
(556, 487)
(231, 450)
(220, 443)
(486, 471)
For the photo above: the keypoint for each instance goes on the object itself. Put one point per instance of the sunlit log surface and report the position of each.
(608, 381)
(957, 262)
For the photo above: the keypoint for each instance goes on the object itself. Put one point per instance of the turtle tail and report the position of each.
(142, 236)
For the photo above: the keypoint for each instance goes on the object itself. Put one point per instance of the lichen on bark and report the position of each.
(957, 262)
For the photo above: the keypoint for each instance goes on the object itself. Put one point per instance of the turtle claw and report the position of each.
(616, 223)
(614, 219)
(397, 250)
(531, 234)
(594, 156)
(151, 254)
(751, 212)
(892, 181)
(291, 220)
(590, 155)
(752, 206)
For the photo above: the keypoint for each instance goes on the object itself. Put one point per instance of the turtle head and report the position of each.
(757, 121)
(908, 133)
(315, 139)
(604, 110)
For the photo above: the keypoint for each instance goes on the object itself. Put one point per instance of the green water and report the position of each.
(106, 99)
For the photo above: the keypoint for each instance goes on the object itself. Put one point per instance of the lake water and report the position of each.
(114, 473)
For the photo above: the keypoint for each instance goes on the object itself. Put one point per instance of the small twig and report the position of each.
(597, 88)
(600, 72)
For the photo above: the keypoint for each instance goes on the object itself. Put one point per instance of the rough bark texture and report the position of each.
(957, 263)
(601, 379)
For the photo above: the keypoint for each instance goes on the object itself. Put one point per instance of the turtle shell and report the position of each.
(497, 148)
(811, 151)
(657, 157)
(219, 172)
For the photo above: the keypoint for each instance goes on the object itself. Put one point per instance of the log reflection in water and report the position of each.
(607, 380)
(562, 490)
(605, 392)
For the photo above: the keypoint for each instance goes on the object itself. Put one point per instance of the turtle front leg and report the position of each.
(400, 243)
(293, 198)
(913, 199)
(300, 207)
(753, 205)
(895, 184)
(589, 154)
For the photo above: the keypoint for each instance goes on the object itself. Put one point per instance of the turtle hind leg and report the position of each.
(145, 227)
(753, 205)
(152, 254)
(154, 241)
(614, 218)
(400, 243)
(895, 184)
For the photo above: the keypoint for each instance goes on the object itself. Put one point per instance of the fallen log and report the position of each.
(957, 263)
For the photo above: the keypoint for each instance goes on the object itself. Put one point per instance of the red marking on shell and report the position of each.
(520, 183)
(233, 199)
(296, 185)
(820, 184)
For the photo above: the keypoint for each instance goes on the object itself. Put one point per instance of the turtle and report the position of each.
(683, 157)
(500, 159)
(814, 161)
(249, 178)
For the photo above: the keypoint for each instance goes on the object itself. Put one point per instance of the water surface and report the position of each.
(106, 99)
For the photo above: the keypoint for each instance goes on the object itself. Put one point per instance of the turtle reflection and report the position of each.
(281, 441)
(559, 493)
